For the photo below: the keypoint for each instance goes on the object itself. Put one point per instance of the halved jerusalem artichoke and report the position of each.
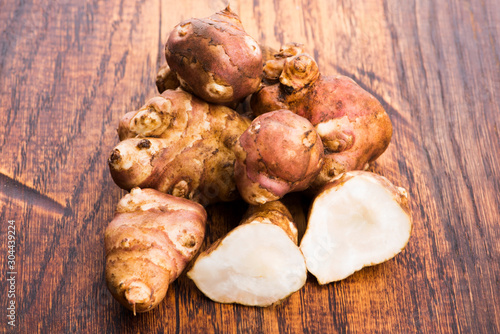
(360, 219)
(256, 264)
(352, 123)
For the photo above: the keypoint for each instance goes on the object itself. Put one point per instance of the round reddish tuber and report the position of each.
(279, 153)
(353, 125)
(215, 58)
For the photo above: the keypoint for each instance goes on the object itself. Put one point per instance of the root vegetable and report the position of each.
(148, 244)
(274, 66)
(215, 58)
(360, 219)
(267, 52)
(352, 124)
(258, 263)
(180, 145)
(279, 153)
(166, 79)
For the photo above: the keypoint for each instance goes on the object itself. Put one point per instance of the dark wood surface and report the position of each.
(70, 69)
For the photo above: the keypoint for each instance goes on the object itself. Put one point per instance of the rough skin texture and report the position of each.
(267, 52)
(274, 66)
(399, 194)
(279, 153)
(166, 79)
(353, 125)
(257, 264)
(148, 244)
(179, 145)
(275, 213)
(215, 58)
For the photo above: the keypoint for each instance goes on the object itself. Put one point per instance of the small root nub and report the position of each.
(144, 144)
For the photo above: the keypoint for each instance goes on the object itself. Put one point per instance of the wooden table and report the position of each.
(70, 69)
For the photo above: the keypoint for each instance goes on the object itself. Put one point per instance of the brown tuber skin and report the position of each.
(166, 79)
(268, 52)
(274, 66)
(215, 58)
(352, 124)
(179, 145)
(279, 153)
(148, 244)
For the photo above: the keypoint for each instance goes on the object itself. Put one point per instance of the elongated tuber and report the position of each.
(215, 58)
(279, 153)
(258, 263)
(148, 244)
(359, 220)
(353, 125)
(179, 145)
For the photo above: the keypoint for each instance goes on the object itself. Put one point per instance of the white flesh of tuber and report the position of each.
(356, 221)
(256, 264)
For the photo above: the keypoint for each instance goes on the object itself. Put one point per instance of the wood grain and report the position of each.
(70, 69)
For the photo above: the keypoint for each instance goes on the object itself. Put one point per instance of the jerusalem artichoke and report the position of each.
(148, 244)
(215, 58)
(258, 263)
(311, 130)
(279, 153)
(352, 124)
(360, 219)
(179, 145)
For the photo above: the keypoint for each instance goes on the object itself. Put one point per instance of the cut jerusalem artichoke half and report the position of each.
(148, 244)
(256, 264)
(360, 219)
